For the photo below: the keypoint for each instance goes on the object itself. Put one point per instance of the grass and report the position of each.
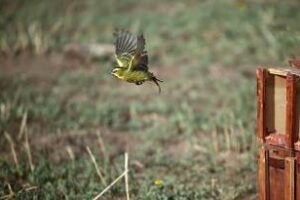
(195, 136)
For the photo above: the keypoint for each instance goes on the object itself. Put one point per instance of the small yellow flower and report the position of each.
(159, 183)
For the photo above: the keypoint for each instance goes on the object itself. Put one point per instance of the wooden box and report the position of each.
(278, 122)
(278, 174)
(278, 107)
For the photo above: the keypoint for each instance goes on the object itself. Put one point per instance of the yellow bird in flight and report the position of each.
(132, 59)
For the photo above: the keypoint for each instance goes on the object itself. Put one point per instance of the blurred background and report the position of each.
(195, 140)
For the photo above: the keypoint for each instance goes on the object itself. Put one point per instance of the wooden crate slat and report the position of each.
(297, 120)
(284, 71)
(298, 177)
(291, 110)
(289, 178)
(261, 77)
(263, 174)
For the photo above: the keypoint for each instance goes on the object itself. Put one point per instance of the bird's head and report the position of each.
(117, 71)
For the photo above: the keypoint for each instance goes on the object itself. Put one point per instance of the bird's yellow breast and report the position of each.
(133, 76)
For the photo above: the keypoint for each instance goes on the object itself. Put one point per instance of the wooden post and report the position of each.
(261, 79)
(290, 110)
(263, 174)
(289, 178)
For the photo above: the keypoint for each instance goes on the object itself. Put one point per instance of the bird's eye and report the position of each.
(114, 71)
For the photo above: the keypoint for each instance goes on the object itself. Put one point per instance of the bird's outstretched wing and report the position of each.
(130, 51)
(125, 46)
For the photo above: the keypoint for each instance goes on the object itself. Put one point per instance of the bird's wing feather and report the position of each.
(142, 63)
(140, 59)
(129, 51)
(125, 47)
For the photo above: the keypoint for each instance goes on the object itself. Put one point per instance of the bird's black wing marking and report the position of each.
(142, 64)
(140, 57)
(140, 46)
